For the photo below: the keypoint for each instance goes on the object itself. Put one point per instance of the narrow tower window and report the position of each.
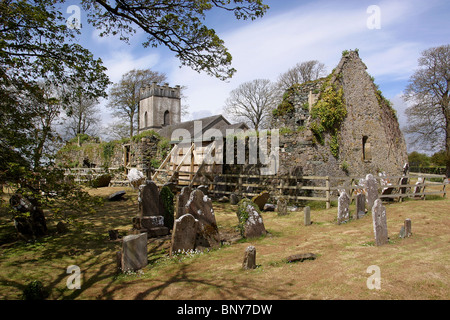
(145, 120)
(166, 118)
(367, 150)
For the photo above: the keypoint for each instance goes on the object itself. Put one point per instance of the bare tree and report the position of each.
(252, 102)
(300, 73)
(124, 96)
(429, 93)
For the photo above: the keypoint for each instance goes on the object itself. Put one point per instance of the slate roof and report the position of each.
(213, 122)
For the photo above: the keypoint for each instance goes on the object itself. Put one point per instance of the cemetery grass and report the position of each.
(412, 268)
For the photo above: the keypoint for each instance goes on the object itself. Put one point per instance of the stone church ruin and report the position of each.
(340, 125)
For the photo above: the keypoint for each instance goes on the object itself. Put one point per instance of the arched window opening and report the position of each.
(166, 118)
(367, 150)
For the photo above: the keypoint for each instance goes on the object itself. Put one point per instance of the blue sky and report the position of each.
(292, 31)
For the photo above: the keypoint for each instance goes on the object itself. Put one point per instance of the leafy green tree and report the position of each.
(417, 159)
(429, 93)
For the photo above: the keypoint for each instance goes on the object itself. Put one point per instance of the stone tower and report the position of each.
(159, 106)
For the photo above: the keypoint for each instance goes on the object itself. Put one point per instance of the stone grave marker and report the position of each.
(234, 199)
(307, 216)
(184, 234)
(249, 258)
(405, 231)
(379, 223)
(360, 205)
(261, 199)
(182, 199)
(134, 252)
(250, 221)
(282, 207)
(200, 206)
(371, 187)
(343, 204)
(149, 203)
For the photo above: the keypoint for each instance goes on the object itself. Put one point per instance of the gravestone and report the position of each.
(116, 196)
(405, 231)
(200, 206)
(261, 199)
(153, 226)
(134, 252)
(307, 216)
(184, 234)
(182, 199)
(282, 207)
(269, 207)
(371, 187)
(234, 199)
(301, 257)
(360, 205)
(250, 221)
(249, 258)
(343, 204)
(379, 223)
(149, 202)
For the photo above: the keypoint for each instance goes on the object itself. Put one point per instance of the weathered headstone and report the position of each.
(234, 199)
(379, 223)
(249, 258)
(250, 221)
(269, 207)
(360, 205)
(200, 206)
(149, 202)
(405, 231)
(166, 206)
(343, 204)
(307, 216)
(371, 186)
(184, 234)
(182, 199)
(282, 207)
(261, 199)
(403, 181)
(134, 252)
(153, 226)
(418, 187)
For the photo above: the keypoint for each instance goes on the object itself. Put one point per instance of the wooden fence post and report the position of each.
(327, 192)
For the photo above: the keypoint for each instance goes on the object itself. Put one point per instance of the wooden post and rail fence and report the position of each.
(301, 188)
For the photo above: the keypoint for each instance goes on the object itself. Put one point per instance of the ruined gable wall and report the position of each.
(371, 140)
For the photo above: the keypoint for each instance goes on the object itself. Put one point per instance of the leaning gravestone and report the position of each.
(184, 234)
(250, 221)
(282, 207)
(261, 199)
(182, 199)
(249, 258)
(134, 252)
(116, 196)
(379, 223)
(343, 204)
(200, 206)
(360, 205)
(371, 186)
